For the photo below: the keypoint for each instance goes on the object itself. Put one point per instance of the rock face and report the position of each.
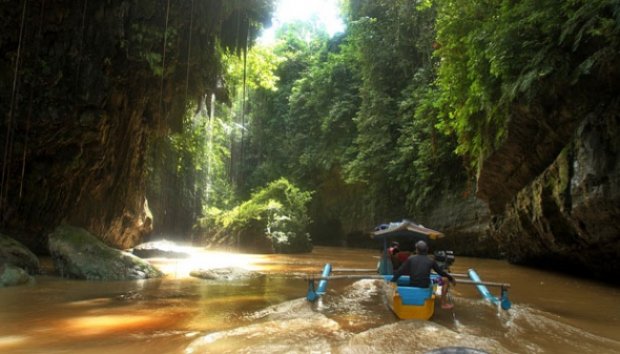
(531, 145)
(569, 215)
(465, 222)
(79, 156)
(14, 253)
(84, 87)
(78, 254)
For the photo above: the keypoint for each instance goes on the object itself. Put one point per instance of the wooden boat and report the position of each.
(405, 301)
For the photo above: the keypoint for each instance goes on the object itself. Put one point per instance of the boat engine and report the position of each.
(444, 259)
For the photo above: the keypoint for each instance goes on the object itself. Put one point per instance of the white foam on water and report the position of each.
(285, 310)
(298, 326)
(289, 327)
(357, 296)
(475, 317)
(415, 336)
(277, 336)
(356, 320)
(361, 289)
(359, 306)
(546, 330)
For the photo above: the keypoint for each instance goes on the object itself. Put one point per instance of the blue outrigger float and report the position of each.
(405, 301)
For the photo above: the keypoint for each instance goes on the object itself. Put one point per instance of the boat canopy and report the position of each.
(404, 229)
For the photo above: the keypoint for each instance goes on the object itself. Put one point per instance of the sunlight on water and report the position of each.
(8, 342)
(90, 302)
(106, 324)
(199, 258)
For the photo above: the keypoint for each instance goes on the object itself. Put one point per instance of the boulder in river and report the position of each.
(229, 273)
(11, 275)
(15, 253)
(162, 248)
(78, 254)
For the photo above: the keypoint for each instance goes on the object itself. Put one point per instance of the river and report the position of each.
(551, 313)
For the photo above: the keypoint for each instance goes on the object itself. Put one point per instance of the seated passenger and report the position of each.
(394, 252)
(419, 269)
(394, 248)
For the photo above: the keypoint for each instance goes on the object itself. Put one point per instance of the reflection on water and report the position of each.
(181, 314)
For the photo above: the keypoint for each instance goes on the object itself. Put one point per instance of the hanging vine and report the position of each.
(8, 145)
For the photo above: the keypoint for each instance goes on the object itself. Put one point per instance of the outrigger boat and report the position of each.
(405, 301)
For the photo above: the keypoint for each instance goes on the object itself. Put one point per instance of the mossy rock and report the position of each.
(13, 252)
(11, 275)
(78, 254)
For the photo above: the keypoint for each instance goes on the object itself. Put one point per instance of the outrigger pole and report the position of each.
(376, 276)
(482, 289)
(503, 301)
(312, 295)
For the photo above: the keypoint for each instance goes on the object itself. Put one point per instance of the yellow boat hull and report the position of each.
(409, 312)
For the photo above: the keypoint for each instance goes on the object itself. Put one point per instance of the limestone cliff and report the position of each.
(465, 222)
(568, 215)
(84, 86)
(553, 185)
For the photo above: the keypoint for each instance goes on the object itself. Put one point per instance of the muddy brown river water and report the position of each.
(551, 313)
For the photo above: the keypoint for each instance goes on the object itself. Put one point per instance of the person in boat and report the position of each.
(394, 248)
(393, 252)
(419, 269)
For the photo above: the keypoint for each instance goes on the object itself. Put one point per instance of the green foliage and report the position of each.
(189, 167)
(321, 107)
(346, 117)
(371, 119)
(272, 128)
(501, 53)
(144, 43)
(261, 64)
(280, 211)
(182, 45)
(188, 170)
(400, 155)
